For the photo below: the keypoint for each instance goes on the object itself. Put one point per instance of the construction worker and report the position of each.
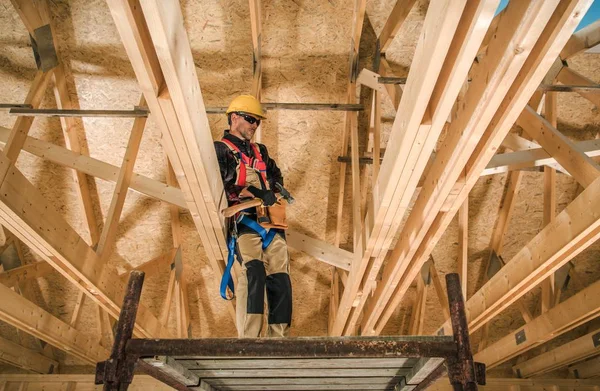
(248, 172)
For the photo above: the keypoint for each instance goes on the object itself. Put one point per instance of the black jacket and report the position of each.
(228, 165)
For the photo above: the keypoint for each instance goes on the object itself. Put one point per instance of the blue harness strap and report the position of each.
(226, 279)
(266, 236)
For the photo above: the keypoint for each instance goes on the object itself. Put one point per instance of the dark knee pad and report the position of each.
(279, 295)
(256, 286)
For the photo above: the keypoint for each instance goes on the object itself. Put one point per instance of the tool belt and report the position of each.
(272, 216)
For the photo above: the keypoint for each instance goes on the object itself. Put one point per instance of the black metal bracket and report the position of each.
(44, 51)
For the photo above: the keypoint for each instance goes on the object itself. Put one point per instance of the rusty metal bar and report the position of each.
(569, 88)
(322, 347)
(7, 106)
(391, 80)
(462, 370)
(25, 112)
(117, 372)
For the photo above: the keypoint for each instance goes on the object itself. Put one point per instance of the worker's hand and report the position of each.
(267, 196)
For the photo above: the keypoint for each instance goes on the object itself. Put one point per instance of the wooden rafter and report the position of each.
(164, 192)
(586, 369)
(23, 314)
(440, 25)
(463, 245)
(584, 39)
(394, 22)
(573, 230)
(566, 354)
(19, 131)
(350, 131)
(439, 290)
(394, 91)
(21, 357)
(569, 76)
(70, 382)
(535, 158)
(491, 81)
(34, 15)
(109, 232)
(549, 292)
(98, 169)
(512, 384)
(575, 311)
(152, 266)
(158, 47)
(577, 163)
(255, 8)
(38, 224)
(18, 275)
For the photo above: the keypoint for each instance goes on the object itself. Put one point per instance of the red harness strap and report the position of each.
(256, 163)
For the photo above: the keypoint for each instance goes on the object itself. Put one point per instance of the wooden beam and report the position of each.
(577, 163)
(507, 204)
(575, 228)
(586, 369)
(394, 91)
(399, 177)
(569, 353)
(19, 131)
(29, 215)
(569, 76)
(256, 30)
(418, 310)
(494, 76)
(153, 266)
(518, 143)
(512, 161)
(574, 311)
(542, 58)
(320, 250)
(109, 232)
(74, 138)
(584, 39)
(157, 45)
(98, 169)
(23, 314)
(18, 275)
(394, 22)
(413, 121)
(76, 314)
(21, 357)
(463, 245)
(439, 290)
(349, 120)
(83, 382)
(549, 291)
(512, 384)
(164, 192)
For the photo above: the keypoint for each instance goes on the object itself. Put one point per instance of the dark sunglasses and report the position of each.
(251, 120)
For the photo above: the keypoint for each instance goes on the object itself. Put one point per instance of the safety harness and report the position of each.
(257, 164)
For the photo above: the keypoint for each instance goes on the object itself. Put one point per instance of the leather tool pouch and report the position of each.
(276, 215)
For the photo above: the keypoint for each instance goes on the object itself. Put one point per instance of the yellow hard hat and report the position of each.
(247, 104)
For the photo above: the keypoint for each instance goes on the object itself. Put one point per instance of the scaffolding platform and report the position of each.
(399, 363)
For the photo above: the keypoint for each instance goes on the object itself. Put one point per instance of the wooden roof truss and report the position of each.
(474, 104)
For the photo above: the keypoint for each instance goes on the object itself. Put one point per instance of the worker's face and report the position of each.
(241, 127)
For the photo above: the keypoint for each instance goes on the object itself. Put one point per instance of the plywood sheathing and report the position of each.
(304, 54)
